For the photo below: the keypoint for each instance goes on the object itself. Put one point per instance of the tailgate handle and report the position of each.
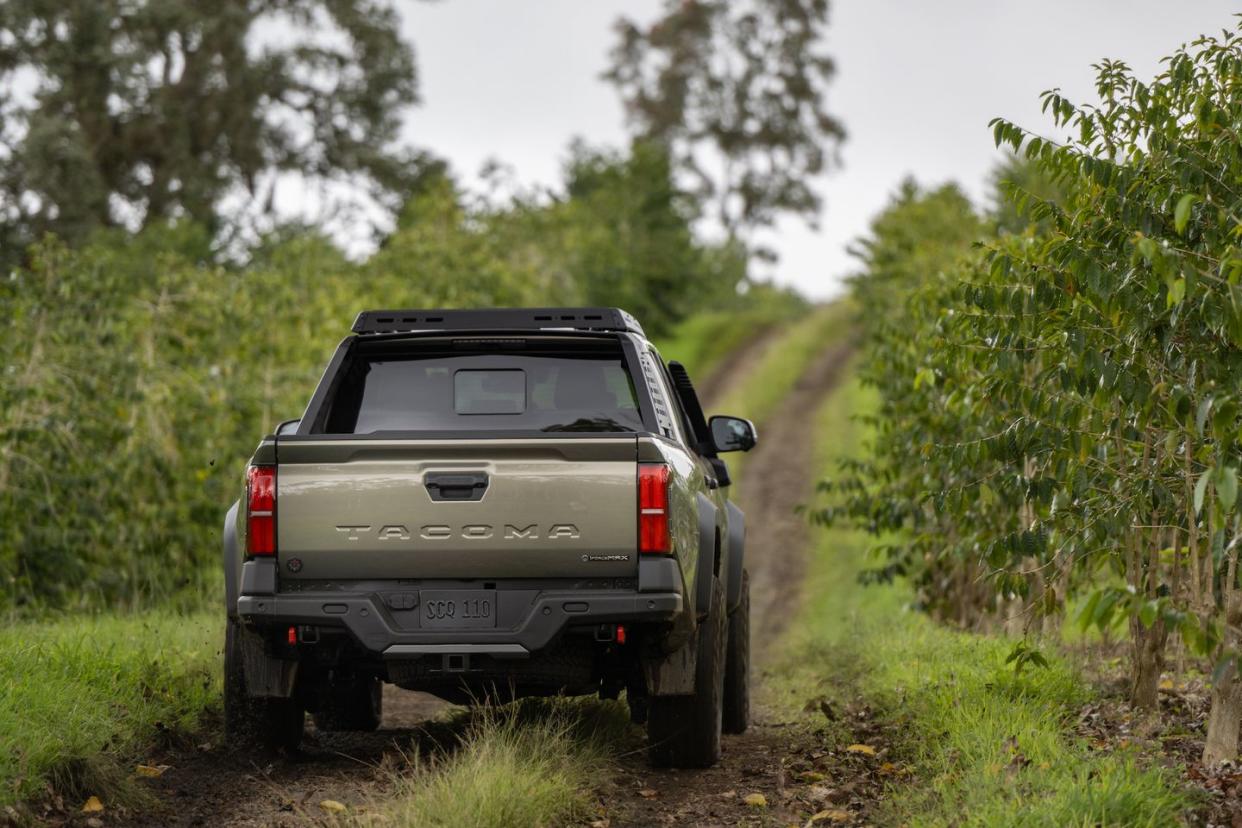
(456, 486)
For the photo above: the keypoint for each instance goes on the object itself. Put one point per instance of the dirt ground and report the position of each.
(209, 785)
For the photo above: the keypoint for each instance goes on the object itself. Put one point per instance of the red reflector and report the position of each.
(261, 510)
(293, 636)
(620, 634)
(653, 509)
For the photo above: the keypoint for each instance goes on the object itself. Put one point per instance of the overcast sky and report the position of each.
(917, 83)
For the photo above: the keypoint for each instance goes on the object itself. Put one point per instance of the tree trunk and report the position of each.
(1147, 662)
(1222, 730)
(1221, 743)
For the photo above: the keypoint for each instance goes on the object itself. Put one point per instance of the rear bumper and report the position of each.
(370, 622)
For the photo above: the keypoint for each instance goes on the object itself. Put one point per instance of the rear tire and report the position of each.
(356, 705)
(737, 665)
(266, 722)
(684, 731)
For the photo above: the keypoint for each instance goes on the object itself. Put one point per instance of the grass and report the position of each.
(988, 747)
(703, 341)
(529, 763)
(787, 360)
(81, 699)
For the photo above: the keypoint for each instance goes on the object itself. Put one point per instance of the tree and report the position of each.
(632, 242)
(146, 110)
(745, 81)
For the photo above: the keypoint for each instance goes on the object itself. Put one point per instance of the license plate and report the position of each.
(457, 609)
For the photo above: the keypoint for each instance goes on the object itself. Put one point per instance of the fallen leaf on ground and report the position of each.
(151, 771)
(889, 767)
(867, 750)
(648, 793)
(834, 815)
(332, 806)
(755, 800)
(812, 776)
(601, 823)
(93, 806)
(94, 822)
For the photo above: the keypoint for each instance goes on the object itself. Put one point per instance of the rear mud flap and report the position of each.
(266, 677)
(672, 674)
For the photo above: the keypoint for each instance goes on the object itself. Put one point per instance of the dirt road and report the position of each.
(209, 785)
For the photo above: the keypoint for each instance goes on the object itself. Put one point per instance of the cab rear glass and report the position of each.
(484, 385)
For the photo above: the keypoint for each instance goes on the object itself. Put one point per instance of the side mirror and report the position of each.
(733, 433)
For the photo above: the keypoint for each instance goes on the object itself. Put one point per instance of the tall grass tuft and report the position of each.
(529, 763)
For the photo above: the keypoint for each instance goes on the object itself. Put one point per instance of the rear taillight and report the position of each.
(261, 510)
(653, 509)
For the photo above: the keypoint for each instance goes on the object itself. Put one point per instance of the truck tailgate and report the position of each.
(361, 509)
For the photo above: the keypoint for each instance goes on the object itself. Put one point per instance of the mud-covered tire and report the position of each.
(262, 722)
(684, 731)
(737, 665)
(356, 705)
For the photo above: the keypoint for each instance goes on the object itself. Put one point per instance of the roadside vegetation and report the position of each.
(951, 730)
(1057, 416)
(83, 700)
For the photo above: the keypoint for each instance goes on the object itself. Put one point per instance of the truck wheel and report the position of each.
(737, 665)
(356, 704)
(269, 723)
(684, 731)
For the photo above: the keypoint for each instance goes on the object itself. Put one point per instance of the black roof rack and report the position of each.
(496, 319)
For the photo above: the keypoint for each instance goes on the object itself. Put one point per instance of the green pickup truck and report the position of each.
(486, 505)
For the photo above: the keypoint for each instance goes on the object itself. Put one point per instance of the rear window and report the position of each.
(536, 386)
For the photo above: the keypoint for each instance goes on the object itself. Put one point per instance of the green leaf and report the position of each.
(1086, 617)
(1104, 611)
(1177, 292)
(1181, 214)
(1148, 613)
(1223, 419)
(1201, 415)
(1201, 490)
(1192, 637)
(1227, 487)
